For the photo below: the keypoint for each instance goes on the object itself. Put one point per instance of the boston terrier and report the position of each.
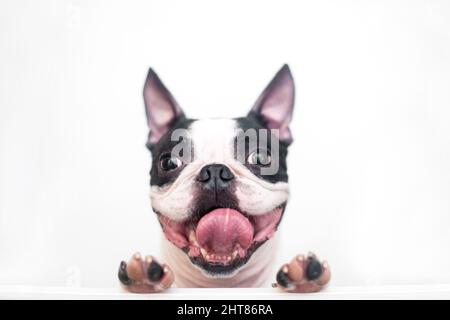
(219, 189)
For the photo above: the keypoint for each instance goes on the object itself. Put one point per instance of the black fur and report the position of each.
(164, 145)
(253, 121)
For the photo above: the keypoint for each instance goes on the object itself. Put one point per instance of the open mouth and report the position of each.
(223, 239)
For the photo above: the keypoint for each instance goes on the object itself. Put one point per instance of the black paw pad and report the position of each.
(283, 279)
(314, 269)
(154, 272)
(123, 276)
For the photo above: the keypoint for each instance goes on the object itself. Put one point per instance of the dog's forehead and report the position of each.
(212, 139)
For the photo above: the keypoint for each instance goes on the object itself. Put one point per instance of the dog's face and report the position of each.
(219, 186)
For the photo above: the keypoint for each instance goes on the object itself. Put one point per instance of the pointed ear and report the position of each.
(276, 104)
(160, 107)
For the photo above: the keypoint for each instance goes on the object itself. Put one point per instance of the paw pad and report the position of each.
(314, 269)
(154, 272)
(283, 279)
(145, 275)
(123, 276)
(303, 274)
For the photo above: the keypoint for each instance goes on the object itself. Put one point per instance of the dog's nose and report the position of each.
(215, 176)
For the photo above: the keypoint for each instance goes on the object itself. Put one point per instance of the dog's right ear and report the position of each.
(160, 107)
(275, 105)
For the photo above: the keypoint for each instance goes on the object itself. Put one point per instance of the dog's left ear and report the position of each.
(160, 107)
(276, 103)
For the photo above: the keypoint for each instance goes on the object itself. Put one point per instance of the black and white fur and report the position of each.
(179, 196)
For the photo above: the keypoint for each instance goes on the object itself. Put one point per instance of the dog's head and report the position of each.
(219, 186)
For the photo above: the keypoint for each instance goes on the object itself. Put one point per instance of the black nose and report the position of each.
(215, 176)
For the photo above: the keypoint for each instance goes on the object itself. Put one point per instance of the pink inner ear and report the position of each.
(159, 124)
(161, 108)
(275, 105)
(277, 111)
(161, 114)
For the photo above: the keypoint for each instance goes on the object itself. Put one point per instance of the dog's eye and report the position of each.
(260, 158)
(169, 163)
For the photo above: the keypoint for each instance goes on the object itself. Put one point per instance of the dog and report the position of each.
(219, 189)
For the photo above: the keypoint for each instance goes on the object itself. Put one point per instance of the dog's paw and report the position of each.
(303, 274)
(144, 275)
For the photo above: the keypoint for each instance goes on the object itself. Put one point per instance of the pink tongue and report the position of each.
(222, 229)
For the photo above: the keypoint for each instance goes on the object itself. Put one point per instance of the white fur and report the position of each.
(257, 272)
(174, 200)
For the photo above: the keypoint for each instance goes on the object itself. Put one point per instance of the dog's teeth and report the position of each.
(212, 256)
(192, 237)
(241, 252)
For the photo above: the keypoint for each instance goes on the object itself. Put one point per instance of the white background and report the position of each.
(369, 168)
